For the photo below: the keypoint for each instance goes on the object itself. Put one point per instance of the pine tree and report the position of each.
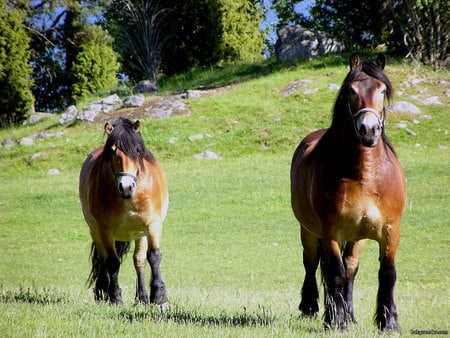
(242, 38)
(95, 66)
(16, 99)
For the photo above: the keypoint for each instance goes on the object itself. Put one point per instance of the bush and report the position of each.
(16, 99)
(96, 65)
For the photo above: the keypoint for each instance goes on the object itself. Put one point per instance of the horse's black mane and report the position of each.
(128, 141)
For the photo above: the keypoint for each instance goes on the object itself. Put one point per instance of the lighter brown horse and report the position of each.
(348, 186)
(124, 197)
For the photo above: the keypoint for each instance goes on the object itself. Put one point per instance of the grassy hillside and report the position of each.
(231, 250)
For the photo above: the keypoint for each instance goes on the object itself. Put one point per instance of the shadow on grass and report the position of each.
(257, 318)
(32, 296)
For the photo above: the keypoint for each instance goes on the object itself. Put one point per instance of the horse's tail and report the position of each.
(98, 268)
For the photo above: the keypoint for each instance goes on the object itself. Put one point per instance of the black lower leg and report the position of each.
(386, 316)
(141, 290)
(348, 292)
(336, 314)
(310, 294)
(112, 266)
(157, 287)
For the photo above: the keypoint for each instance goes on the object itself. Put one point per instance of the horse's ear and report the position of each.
(353, 61)
(137, 126)
(381, 61)
(108, 128)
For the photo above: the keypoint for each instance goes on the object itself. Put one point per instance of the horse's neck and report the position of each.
(354, 160)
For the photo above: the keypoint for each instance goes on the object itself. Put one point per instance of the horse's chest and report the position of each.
(358, 209)
(130, 226)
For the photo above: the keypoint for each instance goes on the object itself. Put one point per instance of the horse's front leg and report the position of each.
(112, 264)
(333, 274)
(351, 255)
(140, 261)
(386, 315)
(157, 287)
(310, 294)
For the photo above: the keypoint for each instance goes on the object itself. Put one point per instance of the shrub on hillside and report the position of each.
(96, 65)
(16, 99)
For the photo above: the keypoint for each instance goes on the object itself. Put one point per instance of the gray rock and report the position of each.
(405, 107)
(26, 141)
(110, 100)
(293, 86)
(8, 143)
(36, 117)
(296, 42)
(53, 172)
(333, 86)
(207, 155)
(133, 101)
(309, 91)
(145, 86)
(44, 135)
(69, 115)
(34, 157)
(195, 137)
(410, 132)
(432, 100)
(90, 112)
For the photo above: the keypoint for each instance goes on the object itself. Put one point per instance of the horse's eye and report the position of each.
(383, 92)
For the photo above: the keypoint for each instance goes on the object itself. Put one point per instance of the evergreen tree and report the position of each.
(57, 30)
(195, 34)
(95, 66)
(242, 38)
(16, 99)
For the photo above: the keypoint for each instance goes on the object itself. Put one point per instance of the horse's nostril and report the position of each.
(363, 129)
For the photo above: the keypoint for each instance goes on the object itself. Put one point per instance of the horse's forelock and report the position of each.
(127, 140)
(372, 70)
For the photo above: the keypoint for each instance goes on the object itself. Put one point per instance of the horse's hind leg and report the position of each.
(157, 287)
(386, 315)
(140, 261)
(310, 294)
(351, 255)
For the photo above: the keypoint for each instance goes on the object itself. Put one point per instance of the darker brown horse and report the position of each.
(124, 197)
(348, 186)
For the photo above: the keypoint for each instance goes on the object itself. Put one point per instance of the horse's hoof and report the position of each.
(163, 306)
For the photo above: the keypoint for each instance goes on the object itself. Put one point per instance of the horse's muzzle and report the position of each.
(368, 127)
(127, 186)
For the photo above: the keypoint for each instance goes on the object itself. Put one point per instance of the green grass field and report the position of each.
(231, 249)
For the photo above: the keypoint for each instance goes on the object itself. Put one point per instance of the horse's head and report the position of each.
(122, 149)
(366, 89)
